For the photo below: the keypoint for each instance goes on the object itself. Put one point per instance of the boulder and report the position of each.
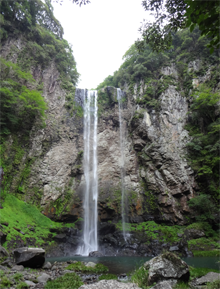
(29, 257)
(194, 234)
(3, 252)
(47, 265)
(91, 264)
(167, 266)
(210, 277)
(30, 283)
(95, 254)
(18, 268)
(169, 284)
(109, 284)
(43, 278)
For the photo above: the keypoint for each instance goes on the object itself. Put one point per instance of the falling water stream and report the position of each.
(90, 238)
(122, 167)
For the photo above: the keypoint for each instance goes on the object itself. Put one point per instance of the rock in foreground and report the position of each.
(167, 266)
(110, 284)
(29, 257)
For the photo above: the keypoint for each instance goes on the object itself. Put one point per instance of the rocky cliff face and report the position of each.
(158, 179)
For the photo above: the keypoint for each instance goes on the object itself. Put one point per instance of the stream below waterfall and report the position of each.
(119, 265)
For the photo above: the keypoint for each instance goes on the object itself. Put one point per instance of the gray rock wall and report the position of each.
(155, 156)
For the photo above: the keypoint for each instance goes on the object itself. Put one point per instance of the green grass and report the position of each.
(18, 276)
(22, 285)
(213, 253)
(20, 215)
(181, 285)
(80, 267)
(214, 285)
(108, 277)
(68, 281)
(140, 277)
(203, 244)
(199, 272)
(155, 231)
(5, 282)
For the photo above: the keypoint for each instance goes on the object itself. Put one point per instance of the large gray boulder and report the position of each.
(169, 284)
(210, 277)
(110, 284)
(167, 266)
(3, 252)
(29, 257)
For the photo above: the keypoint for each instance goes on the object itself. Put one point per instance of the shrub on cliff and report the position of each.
(19, 104)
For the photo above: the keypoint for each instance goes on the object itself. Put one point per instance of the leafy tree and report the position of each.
(26, 14)
(204, 148)
(172, 15)
(19, 104)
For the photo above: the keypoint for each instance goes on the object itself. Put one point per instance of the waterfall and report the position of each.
(90, 236)
(122, 167)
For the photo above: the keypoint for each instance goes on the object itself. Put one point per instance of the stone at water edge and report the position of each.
(110, 284)
(167, 266)
(91, 264)
(47, 265)
(95, 254)
(210, 277)
(29, 257)
(43, 278)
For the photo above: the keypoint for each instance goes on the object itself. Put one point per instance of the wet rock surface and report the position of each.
(167, 266)
(200, 282)
(110, 284)
(29, 257)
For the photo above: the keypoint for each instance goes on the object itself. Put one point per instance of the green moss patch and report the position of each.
(108, 277)
(25, 223)
(80, 267)
(213, 253)
(155, 231)
(203, 244)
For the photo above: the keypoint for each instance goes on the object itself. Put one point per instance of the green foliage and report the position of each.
(22, 285)
(21, 216)
(154, 231)
(181, 285)
(214, 285)
(177, 15)
(19, 104)
(203, 226)
(213, 253)
(204, 207)
(108, 277)
(27, 14)
(204, 148)
(140, 277)
(18, 276)
(5, 282)
(68, 281)
(80, 267)
(199, 272)
(203, 244)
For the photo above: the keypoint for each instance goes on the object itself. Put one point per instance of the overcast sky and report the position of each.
(100, 33)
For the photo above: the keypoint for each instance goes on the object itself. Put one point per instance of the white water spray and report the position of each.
(122, 166)
(90, 236)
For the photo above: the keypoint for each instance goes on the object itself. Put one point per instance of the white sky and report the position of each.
(100, 33)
